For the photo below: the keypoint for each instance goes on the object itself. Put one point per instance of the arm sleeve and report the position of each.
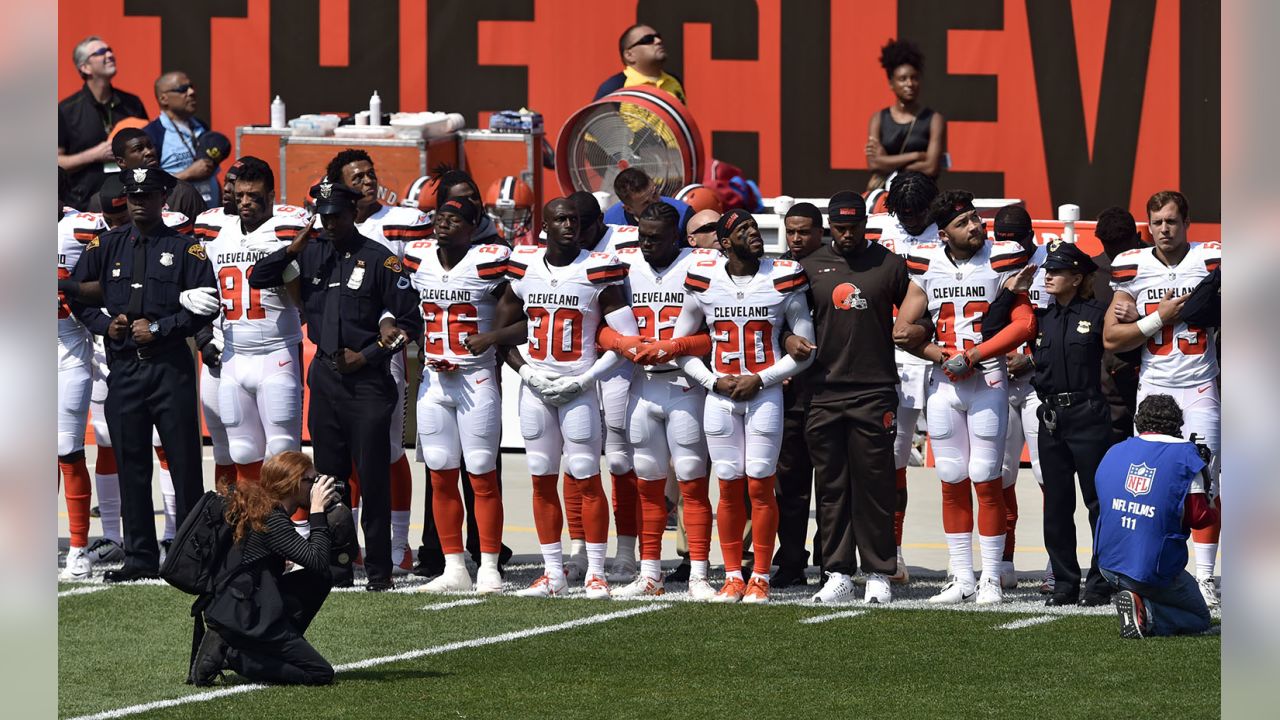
(197, 271)
(311, 553)
(1021, 328)
(89, 269)
(269, 271)
(689, 321)
(998, 313)
(801, 323)
(1204, 307)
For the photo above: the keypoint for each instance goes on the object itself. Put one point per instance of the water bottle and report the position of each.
(277, 114)
(375, 109)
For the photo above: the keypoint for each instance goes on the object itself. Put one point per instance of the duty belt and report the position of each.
(1068, 399)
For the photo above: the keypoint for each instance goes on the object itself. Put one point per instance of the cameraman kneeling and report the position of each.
(258, 615)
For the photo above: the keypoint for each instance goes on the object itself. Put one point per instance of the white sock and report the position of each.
(399, 531)
(651, 569)
(699, 568)
(732, 574)
(761, 576)
(455, 560)
(595, 558)
(626, 548)
(960, 550)
(577, 547)
(992, 554)
(109, 505)
(170, 504)
(1206, 558)
(489, 560)
(553, 561)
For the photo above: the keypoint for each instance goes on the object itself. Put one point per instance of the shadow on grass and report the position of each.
(388, 674)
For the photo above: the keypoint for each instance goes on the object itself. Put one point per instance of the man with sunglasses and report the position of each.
(700, 231)
(86, 117)
(175, 134)
(643, 55)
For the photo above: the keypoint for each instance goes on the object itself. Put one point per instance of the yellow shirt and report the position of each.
(665, 82)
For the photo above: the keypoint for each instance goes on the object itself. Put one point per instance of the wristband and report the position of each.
(1150, 324)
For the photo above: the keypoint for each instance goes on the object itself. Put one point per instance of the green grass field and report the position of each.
(122, 647)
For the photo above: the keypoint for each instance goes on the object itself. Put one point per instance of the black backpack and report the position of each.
(200, 547)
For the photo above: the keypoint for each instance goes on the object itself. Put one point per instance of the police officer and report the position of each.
(142, 268)
(1075, 421)
(360, 309)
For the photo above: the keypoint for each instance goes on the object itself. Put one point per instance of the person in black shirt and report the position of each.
(133, 149)
(360, 309)
(142, 269)
(86, 117)
(1075, 421)
(272, 649)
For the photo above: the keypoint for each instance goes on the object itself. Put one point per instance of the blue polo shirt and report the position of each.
(177, 152)
(618, 215)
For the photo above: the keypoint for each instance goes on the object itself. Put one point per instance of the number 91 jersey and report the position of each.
(457, 302)
(745, 318)
(254, 321)
(562, 304)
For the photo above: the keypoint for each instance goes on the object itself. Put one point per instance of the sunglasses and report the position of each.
(649, 39)
(100, 51)
(709, 227)
(181, 89)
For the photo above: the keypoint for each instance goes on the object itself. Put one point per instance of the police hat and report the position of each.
(331, 197)
(1066, 256)
(140, 181)
(463, 208)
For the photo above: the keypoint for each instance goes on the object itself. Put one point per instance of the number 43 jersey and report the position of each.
(458, 302)
(254, 321)
(563, 305)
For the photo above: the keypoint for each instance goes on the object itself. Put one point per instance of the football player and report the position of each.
(1178, 359)
(565, 293)
(967, 408)
(459, 407)
(743, 301)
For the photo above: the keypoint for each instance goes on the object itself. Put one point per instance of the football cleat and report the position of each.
(78, 567)
(597, 588)
(103, 550)
(877, 592)
(701, 590)
(488, 580)
(955, 592)
(545, 587)
(1207, 589)
(453, 579)
(731, 592)
(838, 589)
(757, 592)
(405, 566)
(1008, 576)
(990, 591)
(641, 587)
(903, 576)
(1134, 623)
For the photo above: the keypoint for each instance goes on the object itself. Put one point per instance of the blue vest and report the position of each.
(1142, 485)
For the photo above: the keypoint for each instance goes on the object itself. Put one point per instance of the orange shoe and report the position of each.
(757, 591)
(731, 592)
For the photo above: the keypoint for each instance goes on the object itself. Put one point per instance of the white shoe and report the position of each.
(545, 586)
(700, 589)
(990, 591)
(103, 550)
(453, 579)
(955, 591)
(488, 580)
(837, 589)
(641, 587)
(1008, 576)
(79, 566)
(597, 588)
(903, 576)
(623, 569)
(878, 592)
(1207, 589)
(575, 567)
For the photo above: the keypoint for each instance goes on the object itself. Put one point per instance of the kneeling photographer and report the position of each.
(258, 613)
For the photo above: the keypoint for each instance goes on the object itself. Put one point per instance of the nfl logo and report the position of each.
(1139, 480)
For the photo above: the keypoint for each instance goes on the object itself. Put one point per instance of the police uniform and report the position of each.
(151, 383)
(347, 286)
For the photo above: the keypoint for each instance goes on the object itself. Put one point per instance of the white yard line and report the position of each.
(832, 616)
(454, 604)
(83, 590)
(1028, 622)
(372, 662)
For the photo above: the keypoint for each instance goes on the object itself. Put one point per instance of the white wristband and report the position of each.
(1150, 324)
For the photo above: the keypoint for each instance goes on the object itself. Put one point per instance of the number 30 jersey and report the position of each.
(457, 302)
(1179, 355)
(745, 315)
(254, 322)
(960, 293)
(562, 304)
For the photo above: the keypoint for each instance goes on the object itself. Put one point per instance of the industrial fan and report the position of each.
(641, 127)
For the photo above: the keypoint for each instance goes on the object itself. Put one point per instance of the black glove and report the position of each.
(210, 353)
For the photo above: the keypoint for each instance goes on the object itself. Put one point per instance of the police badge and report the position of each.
(1083, 327)
(139, 175)
(166, 259)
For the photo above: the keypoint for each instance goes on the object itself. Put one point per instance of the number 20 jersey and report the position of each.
(1179, 355)
(457, 302)
(562, 304)
(959, 294)
(745, 318)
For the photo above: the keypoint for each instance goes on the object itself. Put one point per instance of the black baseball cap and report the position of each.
(331, 197)
(461, 207)
(140, 181)
(1013, 223)
(213, 145)
(111, 196)
(846, 206)
(1066, 256)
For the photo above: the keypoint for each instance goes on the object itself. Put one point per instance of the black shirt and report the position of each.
(344, 294)
(852, 302)
(172, 263)
(1067, 350)
(83, 122)
(282, 542)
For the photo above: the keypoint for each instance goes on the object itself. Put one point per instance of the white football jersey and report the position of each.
(885, 229)
(745, 315)
(209, 222)
(395, 227)
(254, 321)
(1180, 355)
(959, 294)
(562, 305)
(75, 230)
(656, 297)
(457, 302)
(618, 237)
